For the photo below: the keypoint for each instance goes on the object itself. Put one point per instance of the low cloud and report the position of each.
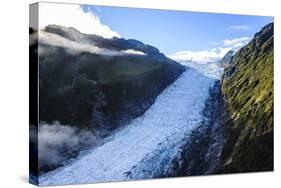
(212, 55)
(57, 143)
(74, 46)
(236, 42)
(132, 52)
(72, 15)
(204, 56)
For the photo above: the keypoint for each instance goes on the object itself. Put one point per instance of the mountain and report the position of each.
(224, 62)
(247, 87)
(111, 44)
(92, 85)
(89, 81)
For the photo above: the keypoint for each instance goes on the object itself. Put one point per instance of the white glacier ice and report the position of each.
(210, 69)
(145, 147)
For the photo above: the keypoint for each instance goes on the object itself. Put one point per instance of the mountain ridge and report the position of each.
(113, 43)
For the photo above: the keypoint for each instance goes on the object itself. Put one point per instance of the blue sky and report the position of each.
(181, 35)
(173, 31)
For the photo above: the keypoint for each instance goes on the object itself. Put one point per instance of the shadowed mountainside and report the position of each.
(96, 89)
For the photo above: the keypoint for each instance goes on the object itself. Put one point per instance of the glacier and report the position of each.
(146, 147)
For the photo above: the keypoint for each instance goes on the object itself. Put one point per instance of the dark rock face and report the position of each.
(247, 87)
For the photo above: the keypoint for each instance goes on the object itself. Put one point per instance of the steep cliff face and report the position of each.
(247, 87)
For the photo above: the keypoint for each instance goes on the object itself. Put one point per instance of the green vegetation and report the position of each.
(248, 90)
(116, 69)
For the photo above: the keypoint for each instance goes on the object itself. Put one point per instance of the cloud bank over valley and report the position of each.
(212, 55)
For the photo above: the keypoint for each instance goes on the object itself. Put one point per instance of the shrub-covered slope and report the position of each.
(247, 87)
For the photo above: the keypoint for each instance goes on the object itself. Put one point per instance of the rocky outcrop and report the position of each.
(226, 60)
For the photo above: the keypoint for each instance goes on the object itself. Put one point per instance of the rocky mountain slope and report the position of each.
(247, 87)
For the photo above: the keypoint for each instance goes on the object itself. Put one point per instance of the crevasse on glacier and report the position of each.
(146, 147)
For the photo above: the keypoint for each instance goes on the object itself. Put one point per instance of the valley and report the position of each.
(150, 116)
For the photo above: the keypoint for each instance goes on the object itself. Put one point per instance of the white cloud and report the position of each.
(71, 15)
(213, 55)
(83, 46)
(204, 56)
(53, 140)
(236, 41)
(132, 52)
(239, 27)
